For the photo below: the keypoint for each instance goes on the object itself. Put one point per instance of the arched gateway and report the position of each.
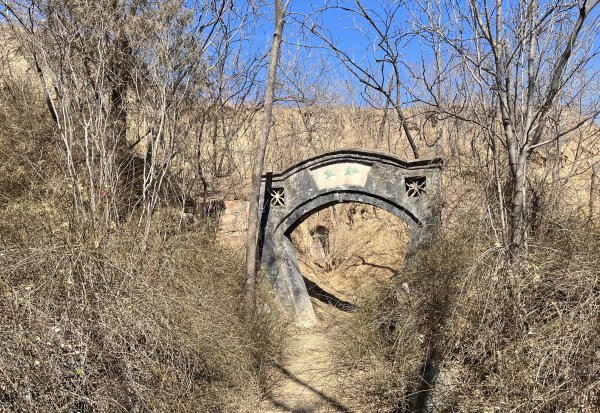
(408, 189)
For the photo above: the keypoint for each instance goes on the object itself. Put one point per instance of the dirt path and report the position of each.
(308, 383)
(354, 249)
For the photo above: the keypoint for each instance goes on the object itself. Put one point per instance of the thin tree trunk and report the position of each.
(518, 209)
(381, 132)
(253, 215)
(595, 169)
(403, 122)
(498, 178)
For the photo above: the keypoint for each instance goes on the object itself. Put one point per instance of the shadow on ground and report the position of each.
(324, 400)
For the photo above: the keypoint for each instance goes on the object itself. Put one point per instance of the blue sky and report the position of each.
(343, 29)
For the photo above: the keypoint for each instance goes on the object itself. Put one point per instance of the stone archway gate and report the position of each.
(411, 190)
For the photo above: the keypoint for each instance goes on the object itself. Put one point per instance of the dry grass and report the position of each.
(529, 343)
(377, 352)
(89, 324)
(497, 342)
(385, 345)
(108, 329)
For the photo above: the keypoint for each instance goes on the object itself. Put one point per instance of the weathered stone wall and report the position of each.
(411, 190)
(233, 221)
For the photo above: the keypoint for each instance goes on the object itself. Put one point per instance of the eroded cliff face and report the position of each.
(349, 248)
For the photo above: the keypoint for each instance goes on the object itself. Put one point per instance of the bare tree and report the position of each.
(253, 217)
(384, 70)
(519, 61)
(121, 80)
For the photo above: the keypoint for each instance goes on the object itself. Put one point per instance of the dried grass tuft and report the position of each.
(491, 342)
(92, 329)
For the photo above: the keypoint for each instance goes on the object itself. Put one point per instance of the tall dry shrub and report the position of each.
(529, 343)
(106, 325)
(96, 329)
(391, 346)
(459, 327)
